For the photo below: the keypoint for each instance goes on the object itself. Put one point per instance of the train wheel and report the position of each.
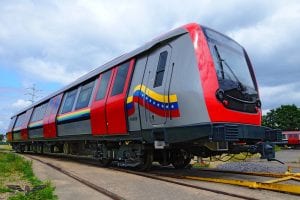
(40, 149)
(66, 148)
(147, 161)
(104, 162)
(180, 159)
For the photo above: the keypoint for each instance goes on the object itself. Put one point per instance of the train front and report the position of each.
(231, 95)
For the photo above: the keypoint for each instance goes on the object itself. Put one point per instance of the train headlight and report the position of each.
(258, 104)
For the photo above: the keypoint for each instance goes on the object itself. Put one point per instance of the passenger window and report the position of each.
(11, 123)
(20, 120)
(159, 77)
(39, 112)
(120, 79)
(103, 85)
(85, 95)
(69, 101)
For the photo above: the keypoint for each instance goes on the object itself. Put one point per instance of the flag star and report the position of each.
(167, 106)
(172, 106)
(158, 104)
(150, 100)
(162, 106)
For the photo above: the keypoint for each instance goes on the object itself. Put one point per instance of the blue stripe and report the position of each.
(157, 104)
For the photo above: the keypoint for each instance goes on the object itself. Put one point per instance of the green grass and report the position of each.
(277, 148)
(5, 147)
(15, 169)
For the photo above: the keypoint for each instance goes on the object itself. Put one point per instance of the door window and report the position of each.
(103, 85)
(120, 79)
(161, 65)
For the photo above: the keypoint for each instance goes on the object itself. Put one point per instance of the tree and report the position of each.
(1, 137)
(286, 117)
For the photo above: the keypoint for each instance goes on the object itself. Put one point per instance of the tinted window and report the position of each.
(20, 120)
(103, 85)
(69, 101)
(39, 112)
(11, 123)
(85, 95)
(159, 77)
(120, 79)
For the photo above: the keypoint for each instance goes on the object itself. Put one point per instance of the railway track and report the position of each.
(114, 196)
(81, 180)
(177, 179)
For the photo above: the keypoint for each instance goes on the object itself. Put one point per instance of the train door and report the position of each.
(115, 105)
(49, 121)
(98, 115)
(156, 84)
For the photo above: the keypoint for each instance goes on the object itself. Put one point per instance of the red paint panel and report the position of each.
(24, 128)
(9, 136)
(217, 112)
(97, 113)
(49, 121)
(115, 106)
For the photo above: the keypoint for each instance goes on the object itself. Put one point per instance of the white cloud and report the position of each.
(48, 71)
(274, 96)
(273, 32)
(20, 104)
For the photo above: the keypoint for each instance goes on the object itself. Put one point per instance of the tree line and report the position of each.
(285, 117)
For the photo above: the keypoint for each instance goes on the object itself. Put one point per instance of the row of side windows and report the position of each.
(86, 91)
(84, 96)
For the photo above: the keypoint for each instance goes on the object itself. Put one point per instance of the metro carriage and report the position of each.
(191, 91)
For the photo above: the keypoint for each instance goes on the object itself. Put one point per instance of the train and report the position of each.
(291, 138)
(189, 92)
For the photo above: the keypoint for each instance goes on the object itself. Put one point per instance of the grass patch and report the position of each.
(15, 170)
(214, 161)
(5, 147)
(277, 148)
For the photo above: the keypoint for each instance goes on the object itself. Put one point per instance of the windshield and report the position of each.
(230, 62)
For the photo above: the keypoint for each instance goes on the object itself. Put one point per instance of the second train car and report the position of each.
(191, 91)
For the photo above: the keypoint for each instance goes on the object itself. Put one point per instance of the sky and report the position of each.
(52, 43)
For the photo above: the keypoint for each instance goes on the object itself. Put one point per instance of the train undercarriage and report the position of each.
(140, 156)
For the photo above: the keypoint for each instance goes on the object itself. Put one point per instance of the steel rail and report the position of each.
(81, 180)
(146, 175)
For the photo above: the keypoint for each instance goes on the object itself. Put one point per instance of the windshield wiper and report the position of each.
(221, 61)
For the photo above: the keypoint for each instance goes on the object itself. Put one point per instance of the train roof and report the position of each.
(144, 48)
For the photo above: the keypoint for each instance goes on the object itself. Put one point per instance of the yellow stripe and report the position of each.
(73, 113)
(130, 99)
(156, 96)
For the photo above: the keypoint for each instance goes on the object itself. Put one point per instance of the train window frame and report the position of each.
(161, 67)
(118, 85)
(75, 91)
(39, 112)
(12, 123)
(104, 89)
(19, 124)
(89, 86)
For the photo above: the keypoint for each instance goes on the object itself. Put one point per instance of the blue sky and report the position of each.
(51, 43)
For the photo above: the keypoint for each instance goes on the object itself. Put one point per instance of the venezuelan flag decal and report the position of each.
(162, 105)
(74, 115)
